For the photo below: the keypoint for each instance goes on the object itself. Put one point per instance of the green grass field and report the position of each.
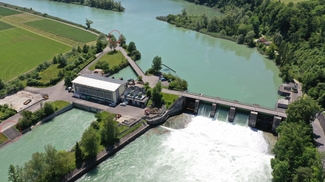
(60, 104)
(113, 59)
(51, 72)
(4, 26)
(63, 30)
(22, 51)
(7, 12)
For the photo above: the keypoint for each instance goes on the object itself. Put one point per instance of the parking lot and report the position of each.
(16, 101)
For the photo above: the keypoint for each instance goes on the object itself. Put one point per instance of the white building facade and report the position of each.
(99, 87)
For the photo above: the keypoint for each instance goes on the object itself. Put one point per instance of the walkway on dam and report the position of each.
(249, 107)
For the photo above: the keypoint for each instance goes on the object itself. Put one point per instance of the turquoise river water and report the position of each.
(62, 132)
(206, 149)
(211, 66)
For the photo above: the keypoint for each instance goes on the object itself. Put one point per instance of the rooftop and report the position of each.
(99, 82)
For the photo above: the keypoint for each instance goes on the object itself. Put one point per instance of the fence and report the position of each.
(228, 100)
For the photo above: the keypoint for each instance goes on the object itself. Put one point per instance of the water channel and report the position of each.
(62, 132)
(207, 149)
(211, 66)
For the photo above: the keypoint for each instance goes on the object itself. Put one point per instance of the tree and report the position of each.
(140, 78)
(156, 64)
(78, 155)
(90, 141)
(102, 65)
(109, 131)
(131, 47)
(303, 110)
(2, 85)
(112, 42)
(62, 60)
(122, 40)
(156, 95)
(240, 39)
(68, 77)
(13, 176)
(88, 23)
(48, 109)
(249, 38)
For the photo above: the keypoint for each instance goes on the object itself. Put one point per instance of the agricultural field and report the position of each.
(5, 26)
(7, 12)
(22, 51)
(63, 30)
(23, 17)
(113, 59)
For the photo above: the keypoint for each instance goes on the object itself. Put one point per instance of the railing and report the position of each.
(228, 100)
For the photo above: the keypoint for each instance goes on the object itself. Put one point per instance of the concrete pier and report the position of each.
(213, 110)
(231, 114)
(196, 106)
(276, 123)
(252, 119)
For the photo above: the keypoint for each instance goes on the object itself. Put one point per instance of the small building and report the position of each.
(136, 96)
(283, 103)
(286, 89)
(99, 88)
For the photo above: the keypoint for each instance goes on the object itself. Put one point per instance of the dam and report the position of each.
(259, 116)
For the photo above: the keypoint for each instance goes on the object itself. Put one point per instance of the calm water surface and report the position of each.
(211, 66)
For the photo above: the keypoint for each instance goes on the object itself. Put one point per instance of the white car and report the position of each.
(122, 104)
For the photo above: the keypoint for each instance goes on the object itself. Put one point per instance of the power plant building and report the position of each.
(98, 87)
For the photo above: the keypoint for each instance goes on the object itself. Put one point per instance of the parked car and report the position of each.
(122, 104)
(112, 104)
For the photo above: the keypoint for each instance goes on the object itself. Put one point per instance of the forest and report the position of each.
(101, 4)
(295, 36)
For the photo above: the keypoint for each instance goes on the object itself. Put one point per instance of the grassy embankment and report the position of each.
(112, 58)
(60, 104)
(28, 40)
(169, 99)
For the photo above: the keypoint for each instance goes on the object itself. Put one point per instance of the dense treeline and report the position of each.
(6, 112)
(296, 30)
(296, 157)
(29, 118)
(101, 4)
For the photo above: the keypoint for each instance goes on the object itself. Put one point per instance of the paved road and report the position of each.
(319, 135)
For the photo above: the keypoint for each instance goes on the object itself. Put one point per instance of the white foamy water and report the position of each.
(204, 151)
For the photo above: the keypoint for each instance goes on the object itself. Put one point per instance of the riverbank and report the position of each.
(103, 155)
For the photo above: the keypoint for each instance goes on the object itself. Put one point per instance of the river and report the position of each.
(62, 132)
(211, 66)
(206, 149)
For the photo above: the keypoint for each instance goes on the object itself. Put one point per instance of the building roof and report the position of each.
(99, 82)
(283, 101)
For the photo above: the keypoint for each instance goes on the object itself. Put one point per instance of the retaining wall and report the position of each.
(79, 173)
(63, 110)
(86, 108)
(175, 109)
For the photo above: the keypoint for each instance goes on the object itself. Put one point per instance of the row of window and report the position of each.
(97, 92)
